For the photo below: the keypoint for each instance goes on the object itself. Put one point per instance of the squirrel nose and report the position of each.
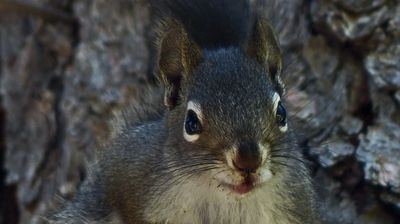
(248, 159)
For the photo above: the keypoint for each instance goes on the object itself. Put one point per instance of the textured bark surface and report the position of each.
(61, 81)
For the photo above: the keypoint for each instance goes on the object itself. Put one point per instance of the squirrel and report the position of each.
(216, 146)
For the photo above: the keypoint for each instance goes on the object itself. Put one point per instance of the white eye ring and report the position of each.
(284, 128)
(276, 99)
(195, 107)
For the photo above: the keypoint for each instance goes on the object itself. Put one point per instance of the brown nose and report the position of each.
(248, 159)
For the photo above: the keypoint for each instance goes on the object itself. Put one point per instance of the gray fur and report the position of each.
(144, 161)
(148, 172)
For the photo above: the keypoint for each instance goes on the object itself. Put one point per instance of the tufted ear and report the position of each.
(178, 57)
(263, 45)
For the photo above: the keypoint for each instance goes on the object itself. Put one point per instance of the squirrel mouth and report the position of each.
(243, 188)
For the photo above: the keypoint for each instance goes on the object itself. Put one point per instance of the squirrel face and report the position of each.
(225, 104)
(233, 114)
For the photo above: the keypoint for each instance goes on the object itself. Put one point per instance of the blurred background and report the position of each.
(67, 65)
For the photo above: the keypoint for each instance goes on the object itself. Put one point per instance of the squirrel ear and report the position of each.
(178, 56)
(264, 46)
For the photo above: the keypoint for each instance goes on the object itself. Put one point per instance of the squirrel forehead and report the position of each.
(232, 89)
(235, 112)
(229, 70)
(230, 77)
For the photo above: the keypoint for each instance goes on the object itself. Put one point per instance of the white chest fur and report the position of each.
(201, 201)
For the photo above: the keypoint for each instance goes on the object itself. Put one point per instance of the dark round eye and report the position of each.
(192, 123)
(281, 115)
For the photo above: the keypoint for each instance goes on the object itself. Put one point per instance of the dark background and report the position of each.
(61, 80)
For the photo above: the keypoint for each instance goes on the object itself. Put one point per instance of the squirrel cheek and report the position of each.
(230, 156)
(265, 149)
(265, 174)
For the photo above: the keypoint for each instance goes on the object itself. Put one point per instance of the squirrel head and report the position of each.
(225, 102)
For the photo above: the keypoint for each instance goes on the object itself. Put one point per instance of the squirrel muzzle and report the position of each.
(248, 157)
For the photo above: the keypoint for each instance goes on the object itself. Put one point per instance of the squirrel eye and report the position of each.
(281, 115)
(192, 123)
